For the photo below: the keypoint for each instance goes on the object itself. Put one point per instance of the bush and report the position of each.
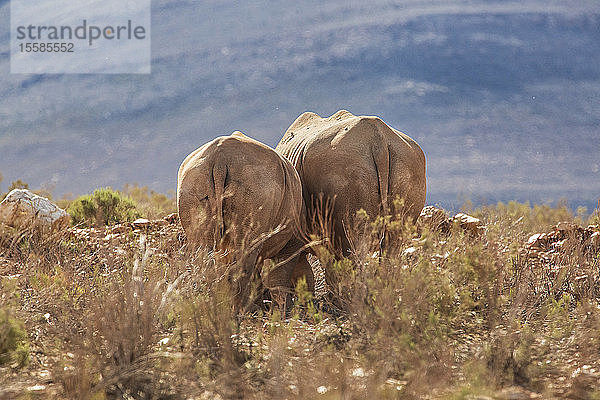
(151, 204)
(410, 312)
(13, 345)
(103, 207)
(594, 218)
(536, 218)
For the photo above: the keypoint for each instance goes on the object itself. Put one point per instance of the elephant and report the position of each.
(352, 163)
(240, 198)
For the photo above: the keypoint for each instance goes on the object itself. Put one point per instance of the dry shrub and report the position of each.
(150, 203)
(408, 314)
(513, 220)
(207, 313)
(407, 298)
(116, 352)
(31, 242)
(594, 218)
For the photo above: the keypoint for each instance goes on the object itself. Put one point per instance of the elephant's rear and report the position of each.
(358, 162)
(238, 195)
(407, 174)
(243, 189)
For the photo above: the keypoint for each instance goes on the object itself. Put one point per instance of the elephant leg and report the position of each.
(302, 269)
(242, 277)
(285, 270)
(278, 281)
(282, 280)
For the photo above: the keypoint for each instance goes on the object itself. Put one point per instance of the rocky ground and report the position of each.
(105, 248)
(562, 359)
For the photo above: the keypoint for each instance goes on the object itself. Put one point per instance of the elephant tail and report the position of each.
(220, 174)
(381, 160)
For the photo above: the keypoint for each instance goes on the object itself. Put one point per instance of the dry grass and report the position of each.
(116, 313)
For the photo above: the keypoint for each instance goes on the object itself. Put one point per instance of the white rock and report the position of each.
(140, 223)
(469, 223)
(466, 219)
(398, 385)
(435, 217)
(409, 251)
(534, 238)
(294, 389)
(21, 207)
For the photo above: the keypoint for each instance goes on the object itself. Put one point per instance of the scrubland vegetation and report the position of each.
(122, 312)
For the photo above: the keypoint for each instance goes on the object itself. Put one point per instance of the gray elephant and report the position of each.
(354, 162)
(239, 197)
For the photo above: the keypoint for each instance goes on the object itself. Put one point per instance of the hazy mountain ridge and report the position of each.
(502, 102)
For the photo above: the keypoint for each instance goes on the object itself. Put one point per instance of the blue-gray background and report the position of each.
(504, 97)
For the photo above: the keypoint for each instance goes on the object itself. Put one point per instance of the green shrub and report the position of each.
(104, 207)
(13, 345)
(151, 204)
